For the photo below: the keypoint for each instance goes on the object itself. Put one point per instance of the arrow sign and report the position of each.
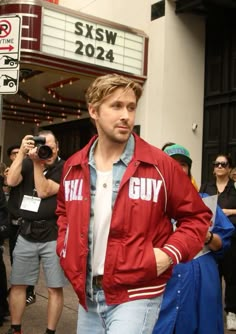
(9, 48)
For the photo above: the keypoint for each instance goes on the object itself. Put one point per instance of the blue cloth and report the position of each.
(192, 302)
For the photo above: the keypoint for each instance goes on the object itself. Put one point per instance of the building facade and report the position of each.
(168, 46)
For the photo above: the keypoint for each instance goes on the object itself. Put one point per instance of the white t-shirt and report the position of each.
(102, 219)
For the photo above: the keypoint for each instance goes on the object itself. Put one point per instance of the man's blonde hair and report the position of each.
(105, 85)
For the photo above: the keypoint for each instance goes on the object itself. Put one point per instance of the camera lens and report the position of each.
(44, 152)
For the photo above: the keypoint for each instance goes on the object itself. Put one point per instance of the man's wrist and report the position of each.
(210, 238)
(170, 260)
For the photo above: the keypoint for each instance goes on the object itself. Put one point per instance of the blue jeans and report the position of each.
(134, 317)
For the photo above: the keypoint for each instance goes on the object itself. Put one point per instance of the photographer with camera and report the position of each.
(37, 170)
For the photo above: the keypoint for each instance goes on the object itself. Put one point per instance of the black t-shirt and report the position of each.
(47, 205)
(47, 230)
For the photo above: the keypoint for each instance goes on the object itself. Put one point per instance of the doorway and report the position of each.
(219, 131)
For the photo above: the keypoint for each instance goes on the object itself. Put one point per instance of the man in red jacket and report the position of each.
(115, 202)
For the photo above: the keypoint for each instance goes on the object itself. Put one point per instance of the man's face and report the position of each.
(50, 141)
(116, 115)
(183, 164)
(14, 153)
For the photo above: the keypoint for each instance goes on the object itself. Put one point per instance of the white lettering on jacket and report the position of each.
(73, 190)
(145, 189)
(139, 188)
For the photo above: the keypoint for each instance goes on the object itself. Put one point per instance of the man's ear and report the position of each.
(92, 111)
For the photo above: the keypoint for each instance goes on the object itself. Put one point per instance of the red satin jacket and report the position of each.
(153, 190)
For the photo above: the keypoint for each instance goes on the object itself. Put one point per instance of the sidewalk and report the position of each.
(36, 314)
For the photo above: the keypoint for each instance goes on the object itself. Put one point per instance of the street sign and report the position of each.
(10, 33)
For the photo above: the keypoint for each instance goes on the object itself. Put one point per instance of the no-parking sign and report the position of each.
(10, 33)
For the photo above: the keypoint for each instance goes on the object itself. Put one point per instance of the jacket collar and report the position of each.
(143, 152)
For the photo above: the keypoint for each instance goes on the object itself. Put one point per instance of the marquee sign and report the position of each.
(90, 42)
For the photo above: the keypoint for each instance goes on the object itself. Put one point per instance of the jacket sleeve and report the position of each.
(193, 217)
(62, 219)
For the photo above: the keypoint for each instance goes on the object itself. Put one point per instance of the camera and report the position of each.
(44, 151)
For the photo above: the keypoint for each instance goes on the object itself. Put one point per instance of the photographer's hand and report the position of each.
(27, 145)
(32, 154)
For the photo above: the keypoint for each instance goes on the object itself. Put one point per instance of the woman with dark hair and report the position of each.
(224, 187)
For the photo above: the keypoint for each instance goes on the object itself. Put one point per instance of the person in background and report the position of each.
(224, 188)
(4, 307)
(14, 222)
(116, 243)
(185, 163)
(2, 171)
(37, 170)
(232, 174)
(3, 168)
(192, 302)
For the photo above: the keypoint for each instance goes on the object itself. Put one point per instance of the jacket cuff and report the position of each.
(172, 252)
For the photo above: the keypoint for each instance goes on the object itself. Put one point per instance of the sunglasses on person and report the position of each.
(223, 164)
